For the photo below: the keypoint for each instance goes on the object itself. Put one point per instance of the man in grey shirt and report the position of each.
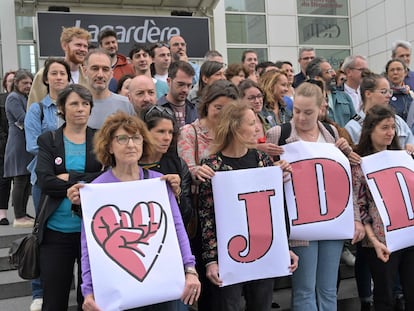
(98, 71)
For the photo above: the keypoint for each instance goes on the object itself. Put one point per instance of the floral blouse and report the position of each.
(186, 144)
(206, 203)
(362, 198)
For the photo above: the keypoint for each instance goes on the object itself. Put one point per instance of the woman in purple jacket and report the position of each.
(119, 144)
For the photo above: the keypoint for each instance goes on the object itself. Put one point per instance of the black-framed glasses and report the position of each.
(124, 139)
(253, 98)
(159, 110)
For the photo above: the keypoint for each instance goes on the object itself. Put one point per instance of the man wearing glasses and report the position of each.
(402, 50)
(340, 106)
(353, 67)
(178, 46)
(180, 76)
(306, 55)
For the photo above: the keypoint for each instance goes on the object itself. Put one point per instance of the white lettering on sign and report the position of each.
(149, 32)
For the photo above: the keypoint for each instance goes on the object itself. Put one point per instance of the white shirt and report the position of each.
(355, 96)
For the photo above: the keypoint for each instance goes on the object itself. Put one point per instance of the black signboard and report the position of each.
(130, 30)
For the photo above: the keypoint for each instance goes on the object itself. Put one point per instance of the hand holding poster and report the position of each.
(133, 250)
(318, 196)
(390, 178)
(250, 224)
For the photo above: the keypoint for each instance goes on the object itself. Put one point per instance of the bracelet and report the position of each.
(191, 270)
(210, 263)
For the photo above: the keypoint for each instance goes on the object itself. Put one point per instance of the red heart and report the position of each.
(132, 240)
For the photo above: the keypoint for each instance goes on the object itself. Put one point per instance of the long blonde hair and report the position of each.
(267, 82)
(228, 124)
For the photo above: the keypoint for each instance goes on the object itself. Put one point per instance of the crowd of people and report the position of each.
(97, 116)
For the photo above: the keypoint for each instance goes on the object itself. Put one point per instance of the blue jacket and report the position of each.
(342, 109)
(34, 127)
(16, 157)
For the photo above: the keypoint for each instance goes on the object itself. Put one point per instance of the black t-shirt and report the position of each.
(249, 160)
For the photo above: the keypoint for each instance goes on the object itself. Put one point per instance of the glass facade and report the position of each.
(25, 43)
(245, 26)
(324, 25)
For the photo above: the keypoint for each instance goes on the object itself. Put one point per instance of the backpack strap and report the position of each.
(42, 114)
(285, 130)
(329, 128)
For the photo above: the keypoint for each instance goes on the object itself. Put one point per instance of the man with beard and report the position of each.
(180, 76)
(178, 47)
(340, 106)
(74, 42)
(141, 61)
(141, 93)
(119, 63)
(98, 71)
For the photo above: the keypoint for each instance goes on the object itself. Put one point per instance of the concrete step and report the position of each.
(23, 303)
(4, 259)
(11, 285)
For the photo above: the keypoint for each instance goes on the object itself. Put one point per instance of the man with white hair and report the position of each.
(402, 49)
(353, 66)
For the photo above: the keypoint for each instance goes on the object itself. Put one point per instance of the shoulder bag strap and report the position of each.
(196, 157)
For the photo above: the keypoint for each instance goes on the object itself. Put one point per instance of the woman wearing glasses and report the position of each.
(375, 90)
(162, 127)
(251, 92)
(401, 99)
(65, 157)
(120, 145)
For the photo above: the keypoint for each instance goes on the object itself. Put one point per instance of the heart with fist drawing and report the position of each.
(133, 240)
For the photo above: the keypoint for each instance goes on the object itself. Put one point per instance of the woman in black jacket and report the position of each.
(65, 157)
(161, 123)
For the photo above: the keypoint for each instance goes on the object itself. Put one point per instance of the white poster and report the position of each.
(390, 178)
(250, 224)
(133, 248)
(319, 195)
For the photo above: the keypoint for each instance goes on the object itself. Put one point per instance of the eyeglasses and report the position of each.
(254, 98)
(124, 139)
(160, 110)
(385, 91)
(330, 71)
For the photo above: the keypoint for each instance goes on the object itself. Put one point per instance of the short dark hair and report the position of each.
(245, 52)
(82, 91)
(138, 47)
(104, 33)
(51, 61)
(395, 60)
(314, 67)
(207, 69)
(180, 65)
(122, 80)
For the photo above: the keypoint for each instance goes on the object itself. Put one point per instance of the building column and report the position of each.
(9, 59)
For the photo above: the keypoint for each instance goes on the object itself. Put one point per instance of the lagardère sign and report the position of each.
(130, 30)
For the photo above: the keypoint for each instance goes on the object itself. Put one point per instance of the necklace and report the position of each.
(313, 136)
